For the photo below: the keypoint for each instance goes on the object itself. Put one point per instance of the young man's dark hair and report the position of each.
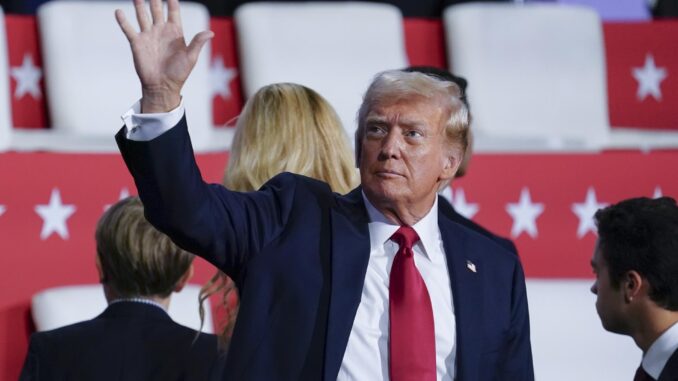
(641, 234)
(636, 287)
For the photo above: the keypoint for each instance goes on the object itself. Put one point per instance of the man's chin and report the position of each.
(613, 327)
(383, 191)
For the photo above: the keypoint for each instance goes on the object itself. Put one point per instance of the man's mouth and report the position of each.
(387, 173)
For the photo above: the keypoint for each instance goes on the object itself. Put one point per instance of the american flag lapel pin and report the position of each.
(471, 266)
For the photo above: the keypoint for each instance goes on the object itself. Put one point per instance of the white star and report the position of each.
(657, 192)
(458, 199)
(221, 77)
(649, 78)
(2, 209)
(124, 193)
(585, 212)
(54, 216)
(27, 77)
(524, 214)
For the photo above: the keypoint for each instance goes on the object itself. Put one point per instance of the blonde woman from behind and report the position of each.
(284, 127)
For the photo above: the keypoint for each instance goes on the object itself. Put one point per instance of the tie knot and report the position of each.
(405, 236)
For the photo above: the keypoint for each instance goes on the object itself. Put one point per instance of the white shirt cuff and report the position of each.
(145, 127)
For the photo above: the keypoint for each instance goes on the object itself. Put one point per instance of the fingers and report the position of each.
(142, 15)
(156, 12)
(126, 27)
(197, 43)
(173, 12)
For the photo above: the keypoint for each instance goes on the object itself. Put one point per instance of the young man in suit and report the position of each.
(636, 287)
(134, 338)
(379, 284)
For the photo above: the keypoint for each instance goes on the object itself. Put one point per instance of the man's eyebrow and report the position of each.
(412, 122)
(375, 119)
(404, 121)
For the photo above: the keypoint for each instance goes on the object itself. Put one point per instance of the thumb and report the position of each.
(197, 43)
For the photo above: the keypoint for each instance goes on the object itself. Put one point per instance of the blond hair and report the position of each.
(286, 127)
(136, 259)
(396, 85)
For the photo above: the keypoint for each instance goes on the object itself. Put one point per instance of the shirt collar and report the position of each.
(660, 351)
(139, 300)
(381, 229)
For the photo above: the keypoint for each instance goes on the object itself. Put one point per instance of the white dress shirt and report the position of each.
(366, 356)
(145, 127)
(660, 351)
(150, 302)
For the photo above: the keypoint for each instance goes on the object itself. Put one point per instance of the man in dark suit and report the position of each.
(379, 284)
(636, 287)
(134, 338)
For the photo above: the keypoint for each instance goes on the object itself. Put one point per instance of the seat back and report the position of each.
(5, 104)
(89, 73)
(534, 70)
(60, 306)
(334, 48)
(568, 340)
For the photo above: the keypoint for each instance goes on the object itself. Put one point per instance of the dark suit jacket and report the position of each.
(299, 254)
(670, 371)
(128, 341)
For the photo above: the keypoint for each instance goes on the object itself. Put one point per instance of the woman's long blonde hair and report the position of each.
(287, 127)
(284, 127)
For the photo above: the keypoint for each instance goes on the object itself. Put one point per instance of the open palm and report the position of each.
(162, 59)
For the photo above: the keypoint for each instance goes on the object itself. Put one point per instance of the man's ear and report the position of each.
(184, 279)
(358, 141)
(451, 164)
(634, 285)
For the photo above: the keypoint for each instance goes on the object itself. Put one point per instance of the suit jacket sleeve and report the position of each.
(518, 362)
(222, 226)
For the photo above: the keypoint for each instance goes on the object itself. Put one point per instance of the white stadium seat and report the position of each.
(537, 78)
(90, 78)
(568, 340)
(334, 48)
(60, 306)
(535, 71)
(5, 104)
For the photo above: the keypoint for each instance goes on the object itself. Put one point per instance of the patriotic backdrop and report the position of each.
(49, 203)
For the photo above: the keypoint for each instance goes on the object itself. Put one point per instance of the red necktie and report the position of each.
(412, 349)
(641, 375)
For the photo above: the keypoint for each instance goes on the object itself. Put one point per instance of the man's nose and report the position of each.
(391, 144)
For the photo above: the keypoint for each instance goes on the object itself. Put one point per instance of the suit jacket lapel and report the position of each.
(467, 294)
(349, 257)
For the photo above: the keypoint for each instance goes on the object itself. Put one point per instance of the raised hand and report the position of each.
(162, 59)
